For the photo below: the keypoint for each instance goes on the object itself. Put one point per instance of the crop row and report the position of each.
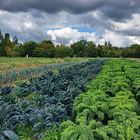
(29, 72)
(43, 102)
(109, 110)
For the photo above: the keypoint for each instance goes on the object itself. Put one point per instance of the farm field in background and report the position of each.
(71, 99)
(18, 69)
(17, 63)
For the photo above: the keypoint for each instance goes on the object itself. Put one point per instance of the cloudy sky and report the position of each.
(67, 21)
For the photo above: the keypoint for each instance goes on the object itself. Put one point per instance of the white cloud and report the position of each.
(73, 35)
(119, 39)
(133, 24)
(35, 25)
(24, 25)
(28, 25)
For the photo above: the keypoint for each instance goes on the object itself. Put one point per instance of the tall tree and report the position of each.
(63, 51)
(1, 36)
(79, 48)
(28, 48)
(48, 47)
(91, 50)
(7, 36)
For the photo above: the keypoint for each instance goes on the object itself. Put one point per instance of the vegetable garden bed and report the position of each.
(13, 76)
(43, 102)
(109, 110)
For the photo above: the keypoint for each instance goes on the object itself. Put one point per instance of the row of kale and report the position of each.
(109, 109)
(47, 100)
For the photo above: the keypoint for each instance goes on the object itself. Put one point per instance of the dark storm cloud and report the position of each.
(112, 20)
(130, 33)
(119, 9)
(51, 6)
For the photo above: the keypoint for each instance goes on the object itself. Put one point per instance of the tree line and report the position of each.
(46, 48)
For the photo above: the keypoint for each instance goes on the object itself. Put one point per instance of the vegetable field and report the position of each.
(17, 63)
(92, 100)
(13, 70)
